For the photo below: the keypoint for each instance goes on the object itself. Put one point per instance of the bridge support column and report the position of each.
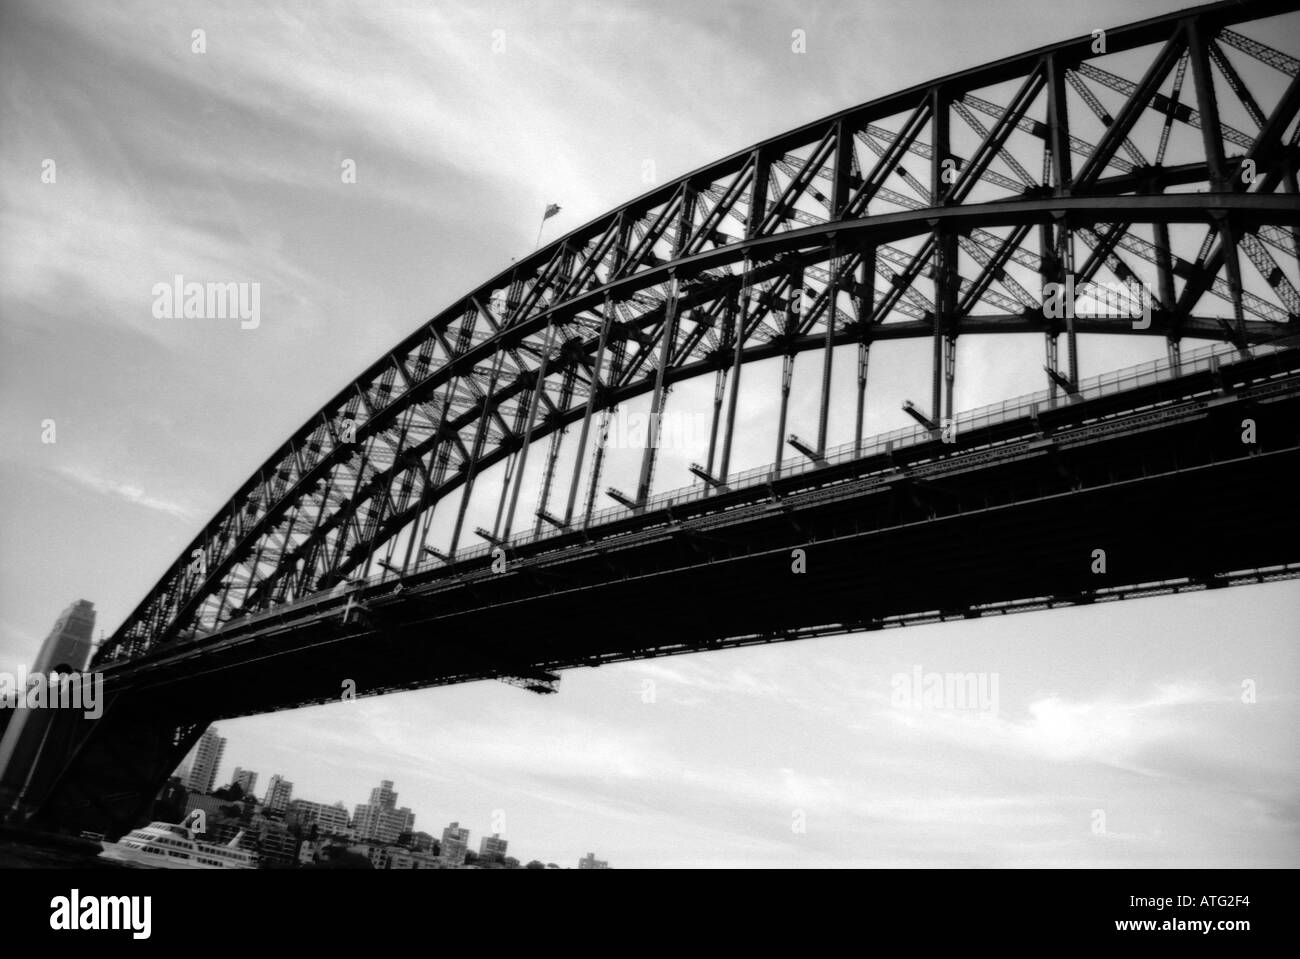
(1228, 238)
(736, 365)
(103, 774)
(433, 475)
(597, 462)
(1058, 147)
(949, 374)
(415, 543)
(668, 337)
(828, 354)
(1164, 267)
(533, 402)
(1212, 140)
(936, 380)
(945, 328)
(1056, 253)
(1065, 254)
(606, 320)
(471, 468)
(507, 475)
(617, 350)
(1050, 350)
(553, 455)
(945, 247)
(719, 389)
(864, 305)
(864, 353)
(787, 375)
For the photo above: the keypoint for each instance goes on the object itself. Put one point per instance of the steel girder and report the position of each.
(916, 214)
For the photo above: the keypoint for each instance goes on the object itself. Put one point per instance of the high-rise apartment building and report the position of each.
(245, 779)
(492, 848)
(455, 841)
(278, 794)
(205, 761)
(328, 820)
(380, 820)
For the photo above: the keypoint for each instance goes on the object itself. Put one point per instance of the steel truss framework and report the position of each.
(941, 210)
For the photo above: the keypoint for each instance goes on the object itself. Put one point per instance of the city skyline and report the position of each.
(490, 842)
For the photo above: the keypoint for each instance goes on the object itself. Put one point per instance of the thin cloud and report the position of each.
(107, 486)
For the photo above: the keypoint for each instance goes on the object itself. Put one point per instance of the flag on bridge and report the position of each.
(551, 210)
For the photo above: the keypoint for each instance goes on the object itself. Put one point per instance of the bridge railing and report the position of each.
(1114, 381)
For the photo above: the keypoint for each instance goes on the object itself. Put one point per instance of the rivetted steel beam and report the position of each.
(538, 386)
(553, 455)
(1257, 332)
(738, 359)
(607, 319)
(719, 393)
(864, 354)
(242, 530)
(942, 174)
(787, 374)
(828, 353)
(1212, 139)
(1251, 208)
(471, 466)
(667, 339)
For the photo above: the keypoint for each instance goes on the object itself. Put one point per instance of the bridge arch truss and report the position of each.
(938, 211)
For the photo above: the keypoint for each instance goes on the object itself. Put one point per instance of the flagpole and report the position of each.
(540, 227)
(551, 210)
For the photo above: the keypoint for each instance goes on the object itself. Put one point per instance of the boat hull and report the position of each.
(116, 852)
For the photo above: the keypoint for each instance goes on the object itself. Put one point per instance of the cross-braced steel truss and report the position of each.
(941, 210)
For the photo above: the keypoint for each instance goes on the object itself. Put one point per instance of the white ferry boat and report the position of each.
(169, 846)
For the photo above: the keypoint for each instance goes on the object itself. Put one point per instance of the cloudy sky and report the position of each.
(226, 164)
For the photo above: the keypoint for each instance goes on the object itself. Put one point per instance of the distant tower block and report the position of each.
(206, 760)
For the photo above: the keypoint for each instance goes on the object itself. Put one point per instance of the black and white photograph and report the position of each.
(828, 442)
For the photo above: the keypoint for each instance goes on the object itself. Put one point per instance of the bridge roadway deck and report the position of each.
(1007, 518)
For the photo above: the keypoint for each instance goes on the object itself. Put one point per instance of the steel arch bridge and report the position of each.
(933, 212)
(1160, 155)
